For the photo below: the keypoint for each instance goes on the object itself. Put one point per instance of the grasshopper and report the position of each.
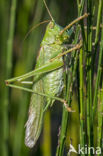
(48, 76)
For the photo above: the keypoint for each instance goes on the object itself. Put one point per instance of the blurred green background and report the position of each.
(20, 58)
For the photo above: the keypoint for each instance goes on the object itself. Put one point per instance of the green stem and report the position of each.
(81, 99)
(89, 71)
(68, 93)
(10, 38)
(60, 147)
(8, 67)
(82, 133)
(100, 8)
(46, 143)
(100, 116)
(99, 71)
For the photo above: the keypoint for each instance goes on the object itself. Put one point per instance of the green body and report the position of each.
(49, 83)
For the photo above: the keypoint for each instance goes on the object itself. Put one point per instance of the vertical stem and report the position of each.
(10, 38)
(89, 74)
(60, 147)
(8, 67)
(82, 133)
(81, 99)
(68, 95)
(100, 8)
(46, 144)
(100, 96)
(100, 115)
(100, 55)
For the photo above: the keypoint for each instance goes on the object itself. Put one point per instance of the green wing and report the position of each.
(35, 119)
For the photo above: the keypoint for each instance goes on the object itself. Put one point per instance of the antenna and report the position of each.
(35, 26)
(48, 10)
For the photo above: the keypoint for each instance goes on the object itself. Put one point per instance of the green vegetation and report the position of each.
(83, 81)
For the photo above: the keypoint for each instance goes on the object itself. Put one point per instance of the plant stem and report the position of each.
(99, 98)
(100, 116)
(10, 37)
(89, 71)
(7, 74)
(100, 8)
(68, 93)
(82, 133)
(46, 144)
(81, 99)
(99, 66)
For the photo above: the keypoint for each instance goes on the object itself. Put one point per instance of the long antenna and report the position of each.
(48, 10)
(35, 26)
